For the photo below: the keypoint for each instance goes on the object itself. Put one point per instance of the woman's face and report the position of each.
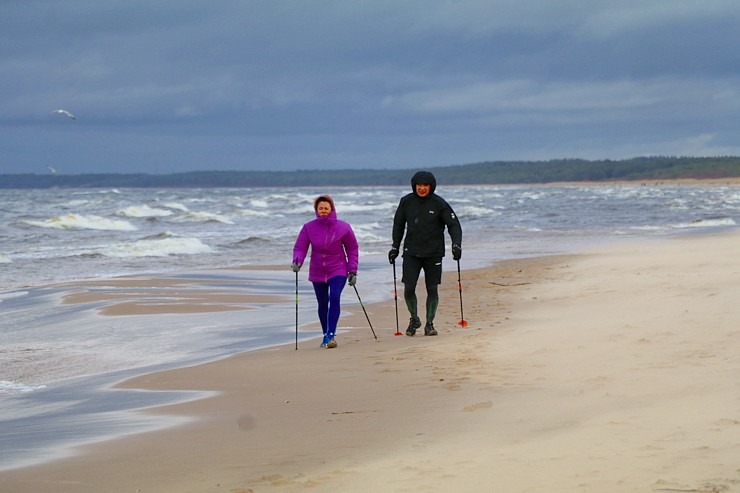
(323, 208)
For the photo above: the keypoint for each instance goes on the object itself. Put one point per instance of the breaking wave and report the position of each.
(158, 248)
(78, 221)
(143, 211)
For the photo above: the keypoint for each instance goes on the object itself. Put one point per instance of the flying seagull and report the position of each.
(64, 113)
(52, 170)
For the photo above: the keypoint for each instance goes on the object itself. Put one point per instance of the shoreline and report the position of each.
(728, 181)
(586, 350)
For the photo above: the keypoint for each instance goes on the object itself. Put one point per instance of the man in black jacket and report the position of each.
(423, 216)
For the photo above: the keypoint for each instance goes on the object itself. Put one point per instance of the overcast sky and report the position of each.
(165, 86)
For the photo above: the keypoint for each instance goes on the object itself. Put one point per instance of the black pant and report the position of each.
(412, 267)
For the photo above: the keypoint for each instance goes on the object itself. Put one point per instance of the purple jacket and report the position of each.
(334, 249)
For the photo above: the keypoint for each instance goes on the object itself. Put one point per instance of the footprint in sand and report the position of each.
(478, 406)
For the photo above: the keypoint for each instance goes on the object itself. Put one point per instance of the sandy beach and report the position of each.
(613, 370)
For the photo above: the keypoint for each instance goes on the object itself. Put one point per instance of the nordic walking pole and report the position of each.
(363, 309)
(462, 322)
(296, 311)
(395, 298)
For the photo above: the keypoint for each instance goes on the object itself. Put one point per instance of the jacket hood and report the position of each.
(327, 198)
(425, 178)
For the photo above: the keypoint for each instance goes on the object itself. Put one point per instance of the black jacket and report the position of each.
(424, 220)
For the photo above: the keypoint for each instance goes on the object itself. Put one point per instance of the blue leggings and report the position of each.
(328, 295)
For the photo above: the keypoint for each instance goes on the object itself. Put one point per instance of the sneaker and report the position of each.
(331, 344)
(414, 323)
(324, 342)
(429, 329)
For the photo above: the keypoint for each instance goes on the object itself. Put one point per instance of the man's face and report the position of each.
(423, 189)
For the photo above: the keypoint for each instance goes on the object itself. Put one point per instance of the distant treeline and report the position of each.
(493, 172)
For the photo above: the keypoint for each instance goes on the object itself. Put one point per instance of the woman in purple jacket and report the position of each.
(334, 258)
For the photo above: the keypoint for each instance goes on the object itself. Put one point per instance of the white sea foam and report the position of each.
(12, 294)
(78, 203)
(350, 207)
(532, 195)
(158, 248)
(4, 259)
(708, 223)
(475, 212)
(204, 217)
(254, 213)
(647, 228)
(7, 387)
(143, 211)
(176, 206)
(369, 235)
(78, 221)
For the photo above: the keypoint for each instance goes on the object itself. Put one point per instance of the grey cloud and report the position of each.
(278, 83)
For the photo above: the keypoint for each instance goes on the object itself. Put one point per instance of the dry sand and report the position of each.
(616, 370)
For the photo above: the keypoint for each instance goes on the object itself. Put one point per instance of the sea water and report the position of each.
(58, 361)
(49, 236)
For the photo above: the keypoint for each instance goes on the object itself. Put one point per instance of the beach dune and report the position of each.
(613, 370)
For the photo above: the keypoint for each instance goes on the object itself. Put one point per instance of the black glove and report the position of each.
(456, 252)
(295, 267)
(392, 255)
(352, 278)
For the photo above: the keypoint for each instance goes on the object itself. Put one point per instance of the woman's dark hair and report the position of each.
(323, 198)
